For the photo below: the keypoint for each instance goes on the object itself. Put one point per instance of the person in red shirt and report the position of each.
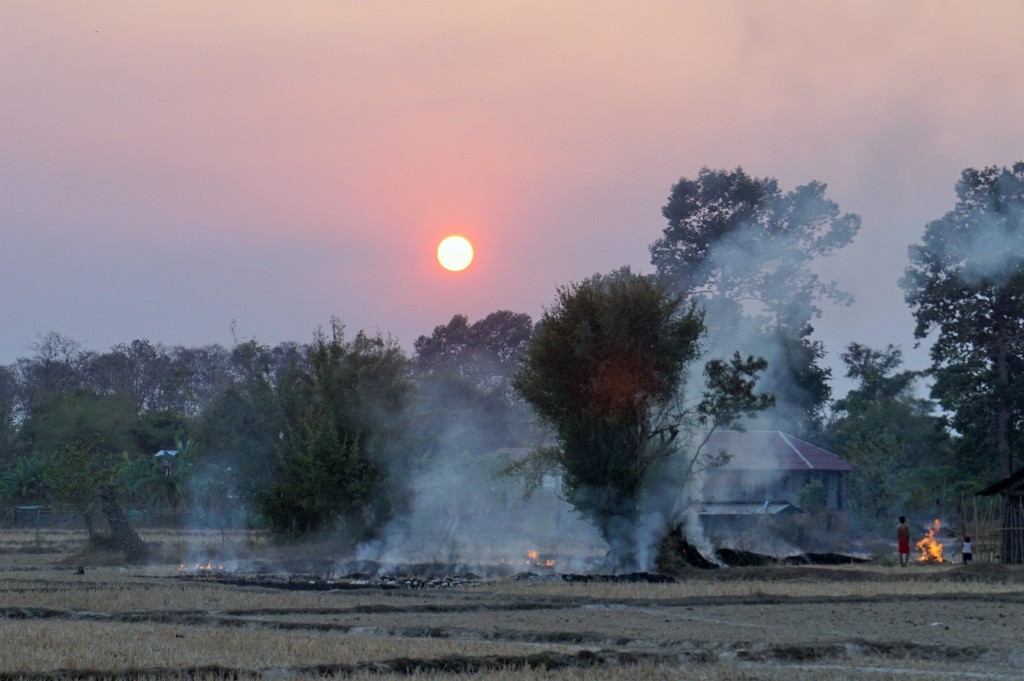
(903, 539)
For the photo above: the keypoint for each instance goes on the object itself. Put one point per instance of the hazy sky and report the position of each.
(168, 167)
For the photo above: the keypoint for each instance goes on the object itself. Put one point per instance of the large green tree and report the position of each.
(605, 370)
(74, 473)
(79, 438)
(241, 428)
(900, 447)
(965, 286)
(744, 248)
(340, 458)
(104, 423)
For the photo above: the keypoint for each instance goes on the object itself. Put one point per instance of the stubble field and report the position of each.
(110, 621)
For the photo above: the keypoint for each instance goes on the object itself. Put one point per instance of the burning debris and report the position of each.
(929, 546)
(200, 566)
(207, 568)
(534, 559)
(342, 583)
(327, 575)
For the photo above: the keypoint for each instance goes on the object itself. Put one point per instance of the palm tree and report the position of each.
(24, 483)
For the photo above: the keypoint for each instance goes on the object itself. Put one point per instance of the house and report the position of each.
(765, 472)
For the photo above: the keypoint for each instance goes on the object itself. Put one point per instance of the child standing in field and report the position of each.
(903, 539)
(967, 551)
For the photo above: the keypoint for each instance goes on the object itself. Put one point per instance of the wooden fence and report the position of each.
(996, 528)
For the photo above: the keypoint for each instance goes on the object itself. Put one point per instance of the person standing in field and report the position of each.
(968, 550)
(903, 539)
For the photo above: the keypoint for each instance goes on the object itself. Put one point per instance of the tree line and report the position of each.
(313, 436)
(614, 388)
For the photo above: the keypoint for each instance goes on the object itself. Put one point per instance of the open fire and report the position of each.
(534, 559)
(209, 567)
(929, 546)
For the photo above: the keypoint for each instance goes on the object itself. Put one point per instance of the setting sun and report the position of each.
(455, 253)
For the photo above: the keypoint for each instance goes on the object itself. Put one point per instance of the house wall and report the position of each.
(728, 485)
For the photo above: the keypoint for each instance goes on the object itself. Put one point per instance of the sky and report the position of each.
(195, 172)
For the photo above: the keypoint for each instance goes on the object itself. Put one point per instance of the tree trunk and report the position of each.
(1012, 544)
(121, 532)
(90, 527)
(1003, 409)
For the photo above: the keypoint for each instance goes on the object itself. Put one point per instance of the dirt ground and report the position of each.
(116, 621)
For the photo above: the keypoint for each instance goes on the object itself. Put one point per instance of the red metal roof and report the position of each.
(772, 450)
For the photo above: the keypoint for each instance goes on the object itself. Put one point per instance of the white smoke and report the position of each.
(463, 514)
(760, 295)
(993, 248)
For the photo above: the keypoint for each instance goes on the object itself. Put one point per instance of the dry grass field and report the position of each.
(115, 621)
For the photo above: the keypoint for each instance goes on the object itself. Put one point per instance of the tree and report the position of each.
(484, 353)
(369, 392)
(75, 473)
(79, 435)
(58, 367)
(739, 238)
(24, 482)
(900, 449)
(796, 377)
(605, 370)
(138, 369)
(813, 497)
(82, 418)
(87, 481)
(156, 430)
(157, 483)
(965, 281)
(464, 374)
(8, 416)
(197, 378)
(338, 462)
(743, 248)
(242, 426)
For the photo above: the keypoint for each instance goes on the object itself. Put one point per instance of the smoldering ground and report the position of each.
(780, 622)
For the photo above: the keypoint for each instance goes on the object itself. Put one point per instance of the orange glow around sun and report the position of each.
(455, 253)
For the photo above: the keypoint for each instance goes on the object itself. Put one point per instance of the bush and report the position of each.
(813, 497)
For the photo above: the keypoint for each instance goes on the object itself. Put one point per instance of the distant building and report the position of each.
(766, 472)
(764, 475)
(167, 456)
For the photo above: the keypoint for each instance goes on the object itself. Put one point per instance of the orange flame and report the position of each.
(929, 546)
(207, 567)
(533, 559)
